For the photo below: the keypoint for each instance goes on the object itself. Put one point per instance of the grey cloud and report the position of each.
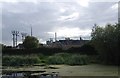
(43, 17)
(97, 12)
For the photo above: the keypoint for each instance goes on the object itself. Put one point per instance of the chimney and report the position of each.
(55, 36)
(31, 31)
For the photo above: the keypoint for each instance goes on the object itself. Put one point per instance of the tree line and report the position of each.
(106, 41)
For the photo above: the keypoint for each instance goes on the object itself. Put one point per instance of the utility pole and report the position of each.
(15, 35)
(55, 36)
(80, 38)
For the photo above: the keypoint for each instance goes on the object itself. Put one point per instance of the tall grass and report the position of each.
(69, 59)
(78, 60)
(59, 58)
(19, 60)
(55, 60)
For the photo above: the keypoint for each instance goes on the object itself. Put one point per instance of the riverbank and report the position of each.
(66, 70)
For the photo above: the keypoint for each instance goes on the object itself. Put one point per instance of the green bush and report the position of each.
(19, 60)
(55, 60)
(106, 41)
(78, 60)
(65, 56)
(59, 58)
(69, 59)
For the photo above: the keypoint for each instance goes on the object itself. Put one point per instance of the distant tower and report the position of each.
(119, 12)
(15, 35)
(31, 31)
(55, 36)
(80, 38)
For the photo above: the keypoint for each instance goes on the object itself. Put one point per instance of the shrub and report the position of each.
(69, 59)
(19, 60)
(77, 60)
(55, 60)
(59, 58)
(63, 55)
(106, 40)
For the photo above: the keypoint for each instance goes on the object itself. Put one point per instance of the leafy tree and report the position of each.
(31, 42)
(107, 41)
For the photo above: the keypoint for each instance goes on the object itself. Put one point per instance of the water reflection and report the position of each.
(29, 75)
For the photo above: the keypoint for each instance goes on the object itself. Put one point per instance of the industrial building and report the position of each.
(66, 43)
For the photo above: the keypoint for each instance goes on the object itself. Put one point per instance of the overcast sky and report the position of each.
(68, 19)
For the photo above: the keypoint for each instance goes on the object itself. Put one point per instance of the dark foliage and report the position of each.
(19, 60)
(45, 51)
(31, 42)
(85, 49)
(106, 41)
